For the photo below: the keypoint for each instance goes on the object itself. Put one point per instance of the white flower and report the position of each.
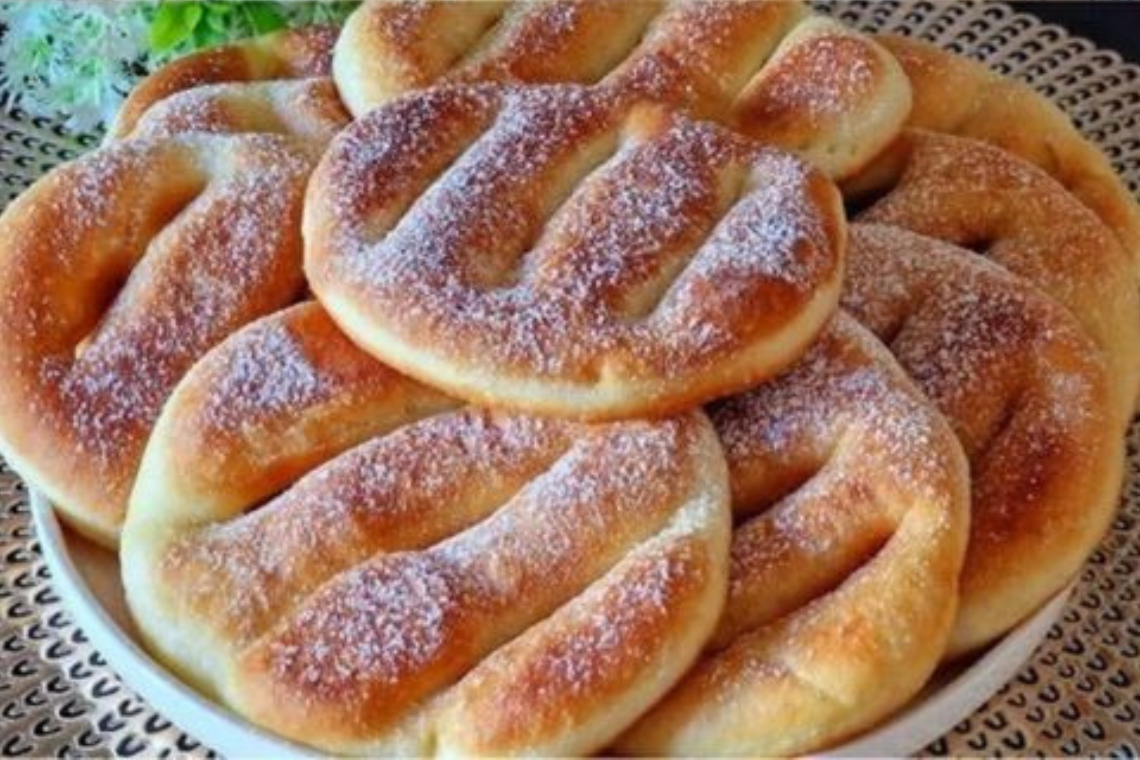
(71, 60)
(75, 61)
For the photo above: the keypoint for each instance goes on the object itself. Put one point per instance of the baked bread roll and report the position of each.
(560, 251)
(850, 499)
(473, 582)
(956, 95)
(290, 57)
(769, 69)
(306, 109)
(865, 481)
(982, 198)
(118, 271)
(1028, 394)
(277, 83)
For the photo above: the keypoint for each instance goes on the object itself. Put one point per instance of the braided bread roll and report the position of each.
(1028, 394)
(850, 499)
(769, 69)
(278, 82)
(474, 582)
(956, 95)
(982, 198)
(118, 271)
(557, 250)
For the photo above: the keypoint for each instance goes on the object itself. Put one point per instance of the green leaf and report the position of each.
(221, 21)
(205, 36)
(263, 17)
(173, 24)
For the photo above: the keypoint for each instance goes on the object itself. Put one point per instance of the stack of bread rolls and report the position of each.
(578, 376)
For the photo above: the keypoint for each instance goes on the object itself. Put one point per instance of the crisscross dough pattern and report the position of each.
(1027, 393)
(277, 83)
(118, 271)
(769, 69)
(956, 95)
(979, 197)
(851, 502)
(556, 250)
(474, 582)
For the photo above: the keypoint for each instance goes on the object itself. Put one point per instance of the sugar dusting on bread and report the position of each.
(586, 292)
(331, 558)
(99, 372)
(844, 382)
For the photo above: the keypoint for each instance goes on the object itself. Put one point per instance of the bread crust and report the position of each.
(559, 251)
(850, 497)
(980, 197)
(1029, 395)
(289, 54)
(118, 271)
(956, 95)
(768, 69)
(463, 581)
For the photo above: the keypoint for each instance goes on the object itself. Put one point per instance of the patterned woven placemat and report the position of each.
(1080, 694)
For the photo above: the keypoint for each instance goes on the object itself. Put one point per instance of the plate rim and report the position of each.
(908, 733)
(196, 714)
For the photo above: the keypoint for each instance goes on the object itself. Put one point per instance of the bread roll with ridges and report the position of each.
(1026, 391)
(275, 399)
(956, 95)
(250, 390)
(463, 582)
(850, 499)
(988, 200)
(289, 54)
(118, 271)
(828, 95)
(307, 109)
(389, 49)
(767, 68)
(556, 250)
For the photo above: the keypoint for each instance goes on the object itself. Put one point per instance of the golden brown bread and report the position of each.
(826, 93)
(1028, 394)
(307, 109)
(554, 249)
(289, 392)
(117, 272)
(333, 630)
(843, 452)
(769, 69)
(290, 54)
(850, 497)
(988, 200)
(224, 216)
(474, 582)
(956, 95)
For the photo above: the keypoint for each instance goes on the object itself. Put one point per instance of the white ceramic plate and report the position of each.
(87, 579)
